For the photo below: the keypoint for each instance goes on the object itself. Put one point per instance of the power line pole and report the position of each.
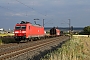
(69, 27)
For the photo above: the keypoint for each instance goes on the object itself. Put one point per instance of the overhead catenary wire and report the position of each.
(29, 7)
(7, 8)
(25, 5)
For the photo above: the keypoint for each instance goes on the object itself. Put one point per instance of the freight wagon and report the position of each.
(54, 31)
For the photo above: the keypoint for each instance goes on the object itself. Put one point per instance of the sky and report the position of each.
(54, 12)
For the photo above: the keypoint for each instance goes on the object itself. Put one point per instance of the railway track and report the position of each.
(13, 50)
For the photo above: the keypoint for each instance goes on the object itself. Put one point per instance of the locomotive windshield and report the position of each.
(23, 27)
(20, 27)
(17, 27)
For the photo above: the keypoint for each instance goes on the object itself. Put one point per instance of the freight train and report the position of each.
(28, 31)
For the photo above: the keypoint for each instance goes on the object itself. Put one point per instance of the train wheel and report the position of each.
(39, 38)
(18, 42)
(31, 39)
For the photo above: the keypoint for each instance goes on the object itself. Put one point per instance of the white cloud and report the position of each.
(14, 14)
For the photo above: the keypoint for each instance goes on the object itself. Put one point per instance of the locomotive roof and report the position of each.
(37, 25)
(24, 23)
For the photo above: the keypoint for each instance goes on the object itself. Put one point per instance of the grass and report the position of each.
(6, 40)
(9, 34)
(0, 42)
(78, 48)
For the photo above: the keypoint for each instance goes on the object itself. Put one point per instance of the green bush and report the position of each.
(8, 40)
(0, 41)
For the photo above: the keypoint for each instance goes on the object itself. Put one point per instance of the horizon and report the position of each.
(52, 27)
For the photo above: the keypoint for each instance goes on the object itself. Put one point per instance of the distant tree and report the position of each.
(87, 30)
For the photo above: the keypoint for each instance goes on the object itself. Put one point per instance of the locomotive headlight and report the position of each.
(16, 32)
(23, 31)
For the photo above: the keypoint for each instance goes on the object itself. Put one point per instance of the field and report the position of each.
(9, 38)
(8, 34)
(78, 48)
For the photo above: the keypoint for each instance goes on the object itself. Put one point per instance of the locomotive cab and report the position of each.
(20, 32)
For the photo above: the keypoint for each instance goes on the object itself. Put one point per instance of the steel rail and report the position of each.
(22, 51)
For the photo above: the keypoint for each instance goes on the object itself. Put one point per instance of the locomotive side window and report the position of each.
(20, 27)
(17, 27)
(29, 27)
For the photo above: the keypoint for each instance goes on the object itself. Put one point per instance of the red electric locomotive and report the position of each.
(25, 30)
